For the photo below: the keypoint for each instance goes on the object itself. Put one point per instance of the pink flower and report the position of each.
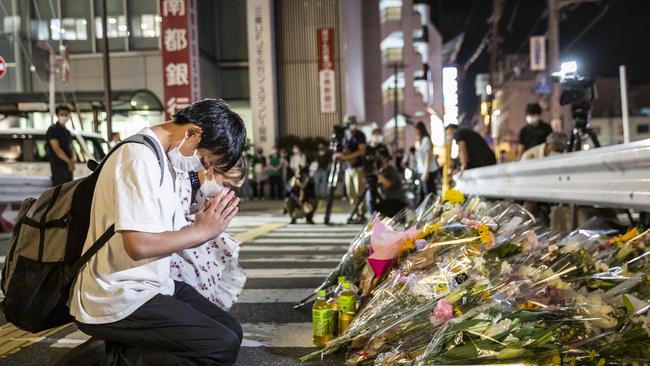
(442, 312)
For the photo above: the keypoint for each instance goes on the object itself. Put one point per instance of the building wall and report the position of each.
(297, 22)
(129, 71)
(372, 62)
(610, 129)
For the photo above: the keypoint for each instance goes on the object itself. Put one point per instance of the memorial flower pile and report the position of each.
(482, 283)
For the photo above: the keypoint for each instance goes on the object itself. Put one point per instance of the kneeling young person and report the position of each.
(125, 297)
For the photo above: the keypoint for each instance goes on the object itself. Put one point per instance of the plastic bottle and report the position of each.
(322, 321)
(339, 287)
(347, 301)
(334, 306)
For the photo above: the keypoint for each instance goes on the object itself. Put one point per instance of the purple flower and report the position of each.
(420, 244)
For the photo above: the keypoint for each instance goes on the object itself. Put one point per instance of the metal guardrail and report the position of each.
(614, 176)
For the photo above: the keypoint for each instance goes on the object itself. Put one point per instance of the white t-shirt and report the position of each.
(420, 153)
(111, 286)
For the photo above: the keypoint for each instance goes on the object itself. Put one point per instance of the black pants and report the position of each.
(258, 189)
(276, 187)
(60, 174)
(184, 329)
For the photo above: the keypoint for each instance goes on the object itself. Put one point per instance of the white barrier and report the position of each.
(614, 176)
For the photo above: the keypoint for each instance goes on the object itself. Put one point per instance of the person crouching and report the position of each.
(301, 201)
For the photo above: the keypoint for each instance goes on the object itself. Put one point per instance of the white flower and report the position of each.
(506, 268)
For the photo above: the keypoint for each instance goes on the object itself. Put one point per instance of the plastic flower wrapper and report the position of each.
(412, 332)
(353, 262)
(496, 336)
(385, 245)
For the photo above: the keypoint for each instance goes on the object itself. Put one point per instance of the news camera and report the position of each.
(578, 91)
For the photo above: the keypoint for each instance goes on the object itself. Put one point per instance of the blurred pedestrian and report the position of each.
(302, 201)
(409, 161)
(59, 148)
(393, 198)
(427, 165)
(260, 174)
(535, 131)
(276, 166)
(284, 157)
(324, 160)
(473, 151)
(354, 152)
(115, 139)
(298, 160)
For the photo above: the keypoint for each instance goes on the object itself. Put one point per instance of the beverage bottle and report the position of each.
(334, 306)
(339, 287)
(322, 321)
(347, 301)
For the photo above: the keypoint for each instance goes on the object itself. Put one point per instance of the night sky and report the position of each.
(621, 36)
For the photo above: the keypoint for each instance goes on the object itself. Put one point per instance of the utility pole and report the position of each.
(497, 10)
(396, 107)
(108, 95)
(554, 48)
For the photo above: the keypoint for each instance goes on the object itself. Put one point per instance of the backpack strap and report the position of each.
(108, 234)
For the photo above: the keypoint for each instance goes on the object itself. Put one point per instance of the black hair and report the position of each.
(224, 133)
(451, 126)
(422, 129)
(62, 107)
(533, 108)
(384, 153)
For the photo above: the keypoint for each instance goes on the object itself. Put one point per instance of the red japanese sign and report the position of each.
(180, 54)
(326, 74)
(3, 67)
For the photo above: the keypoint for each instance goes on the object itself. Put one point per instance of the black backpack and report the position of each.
(45, 248)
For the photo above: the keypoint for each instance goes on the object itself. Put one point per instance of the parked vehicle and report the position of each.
(22, 152)
(25, 169)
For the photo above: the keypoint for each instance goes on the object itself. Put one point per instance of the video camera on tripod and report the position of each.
(579, 91)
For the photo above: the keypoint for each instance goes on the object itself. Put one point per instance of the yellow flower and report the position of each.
(454, 196)
(486, 235)
(457, 311)
(553, 360)
(623, 239)
(485, 296)
(428, 230)
(592, 355)
(601, 362)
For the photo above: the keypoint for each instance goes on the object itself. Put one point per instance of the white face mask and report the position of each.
(184, 163)
(210, 188)
(377, 139)
(63, 119)
(532, 119)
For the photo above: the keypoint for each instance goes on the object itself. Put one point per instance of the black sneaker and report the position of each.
(93, 352)
(293, 221)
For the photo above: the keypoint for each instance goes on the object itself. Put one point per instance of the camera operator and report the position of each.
(393, 199)
(354, 152)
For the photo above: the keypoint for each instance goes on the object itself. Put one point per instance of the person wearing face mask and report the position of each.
(125, 297)
(297, 161)
(59, 148)
(427, 165)
(324, 160)
(211, 268)
(276, 166)
(535, 131)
